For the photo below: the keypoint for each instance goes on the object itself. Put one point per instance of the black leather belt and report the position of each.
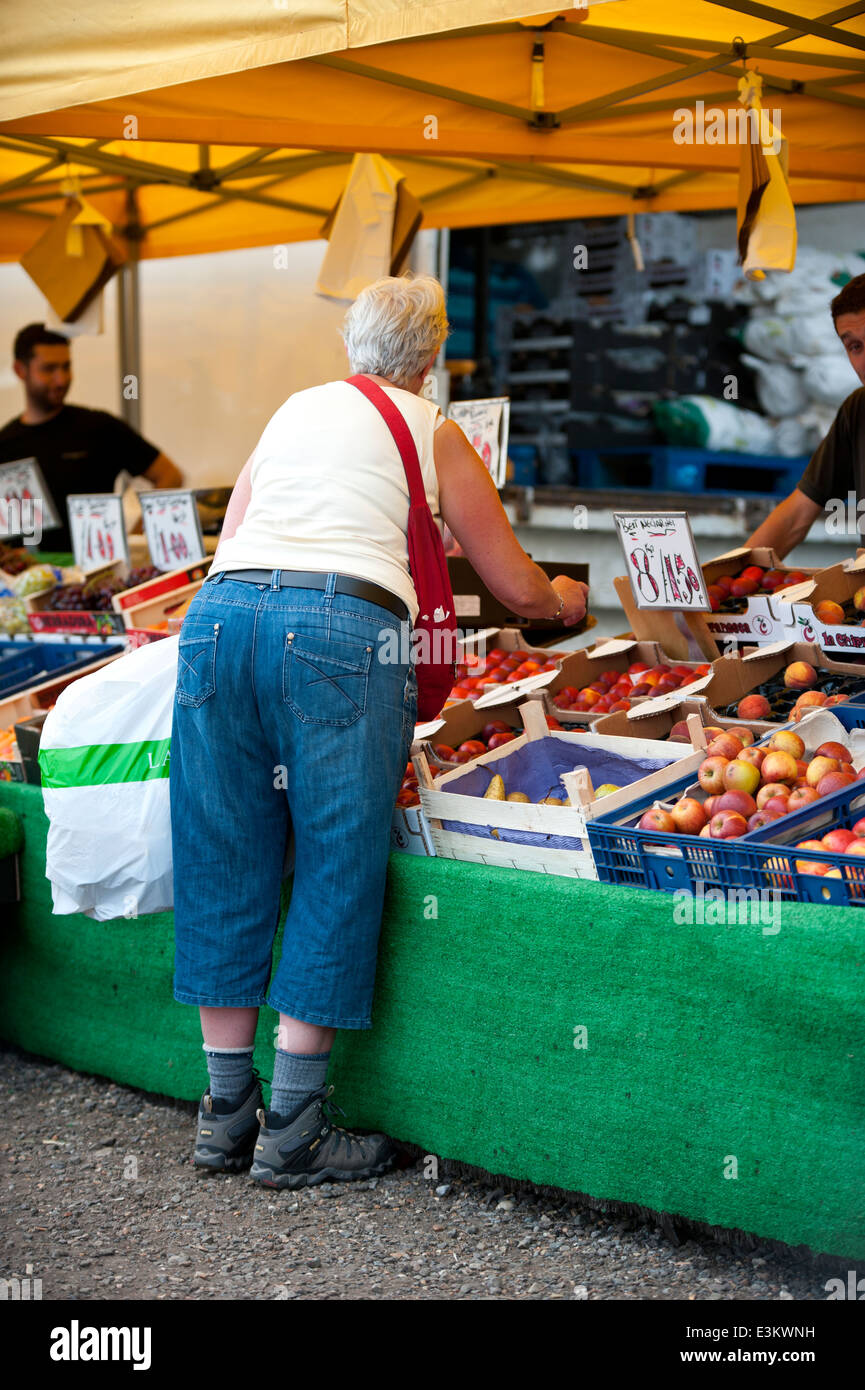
(305, 579)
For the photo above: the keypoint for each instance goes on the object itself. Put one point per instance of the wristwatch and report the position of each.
(558, 611)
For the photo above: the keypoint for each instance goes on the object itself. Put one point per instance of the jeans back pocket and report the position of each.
(196, 661)
(325, 681)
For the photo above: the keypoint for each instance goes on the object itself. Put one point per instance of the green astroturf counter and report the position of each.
(718, 1071)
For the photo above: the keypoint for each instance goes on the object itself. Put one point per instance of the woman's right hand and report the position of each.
(576, 596)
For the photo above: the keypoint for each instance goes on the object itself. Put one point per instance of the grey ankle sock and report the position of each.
(295, 1076)
(230, 1070)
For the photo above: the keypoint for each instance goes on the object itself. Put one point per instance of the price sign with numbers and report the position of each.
(97, 528)
(173, 528)
(485, 424)
(661, 560)
(26, 506)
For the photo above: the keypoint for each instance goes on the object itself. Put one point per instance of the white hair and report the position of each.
(395, 326)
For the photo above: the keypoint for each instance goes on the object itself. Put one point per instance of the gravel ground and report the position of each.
(112, 1209)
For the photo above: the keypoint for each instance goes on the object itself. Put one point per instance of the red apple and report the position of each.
(710, 806)
(735, 800)
(859, 828)
(689, 816)
(786, 741)
(776, 805)
(752, 755)
(834, 782)
(657, 819)
(770, 789)
(800, 798)
(741, 776)
(838, 839)
(833, 750)
(726, 745)
(817, 769)
(727, 825)
(711, 775)
(778, 767)
(760, 818)
(496, 740)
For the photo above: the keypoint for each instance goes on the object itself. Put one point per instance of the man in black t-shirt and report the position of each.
(78, 450)
(838, 464)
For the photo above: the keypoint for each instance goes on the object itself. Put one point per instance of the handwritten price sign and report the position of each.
(26, 505)
(486, 424)
(661, 560)
(97, 528)
(173, 528)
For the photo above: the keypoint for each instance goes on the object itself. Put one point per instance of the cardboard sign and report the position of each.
(485, 424)
(173, 528)
(97, 528)
(661, 558)
(26, 506)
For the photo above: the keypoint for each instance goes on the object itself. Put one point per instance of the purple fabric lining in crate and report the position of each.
(535, 770)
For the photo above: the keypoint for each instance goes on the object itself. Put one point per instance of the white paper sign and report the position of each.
(172, 527)
(26, 506)
(661, 559)
(485, 424)
(97, 528)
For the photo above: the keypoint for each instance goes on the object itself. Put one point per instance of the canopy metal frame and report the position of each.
(687, 57)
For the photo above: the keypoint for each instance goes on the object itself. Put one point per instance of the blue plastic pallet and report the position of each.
(666, 468)
(636, 858)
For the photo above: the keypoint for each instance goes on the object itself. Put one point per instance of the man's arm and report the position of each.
(238, 503)
(788, 525)
(163, 473)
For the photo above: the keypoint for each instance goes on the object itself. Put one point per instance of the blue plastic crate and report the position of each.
(637, 858)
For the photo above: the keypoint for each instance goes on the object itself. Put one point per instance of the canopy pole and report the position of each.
(129, 321)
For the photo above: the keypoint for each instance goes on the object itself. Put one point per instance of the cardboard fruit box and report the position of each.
(822, 611)
(762, 617)
(643, 722)
(149, 604)
(43, 618)
(529, 835)
(579, 669)
(734, 677)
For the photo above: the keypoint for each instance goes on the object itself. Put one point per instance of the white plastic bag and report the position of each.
(828, 380)
(779, 388)
(104, 760)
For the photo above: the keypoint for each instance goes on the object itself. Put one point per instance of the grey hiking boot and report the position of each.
(304, 1147)
(227, 1131)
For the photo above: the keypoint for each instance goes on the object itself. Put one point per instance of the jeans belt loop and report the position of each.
(330, 590)
(275, 579)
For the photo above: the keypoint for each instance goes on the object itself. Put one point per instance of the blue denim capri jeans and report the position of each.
(285, 718)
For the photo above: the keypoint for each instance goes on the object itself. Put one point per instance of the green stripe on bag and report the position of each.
(96, 764)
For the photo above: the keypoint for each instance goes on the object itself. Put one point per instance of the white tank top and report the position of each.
(329, 491)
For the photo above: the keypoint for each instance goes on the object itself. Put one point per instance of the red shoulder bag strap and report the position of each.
(434, 637)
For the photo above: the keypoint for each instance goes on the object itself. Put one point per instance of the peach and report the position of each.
(829, 612)
(741, 776)
(727, 825)
(800, 798)
(785, 741)
(834, 782)
(768, 791)
(779, 767)
(689, 816)
(832, 750)
(799, 675)
(726, 745)
(837, 840)
(817, 769)
(711, 775)
(735, 800)
(859, 599)
(753, 707)
(814, 697)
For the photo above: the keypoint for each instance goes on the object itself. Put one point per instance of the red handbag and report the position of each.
(433, 645)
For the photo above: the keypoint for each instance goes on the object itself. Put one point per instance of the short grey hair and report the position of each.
(395, 326)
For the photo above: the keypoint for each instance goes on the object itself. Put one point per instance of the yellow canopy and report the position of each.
(236, 131)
